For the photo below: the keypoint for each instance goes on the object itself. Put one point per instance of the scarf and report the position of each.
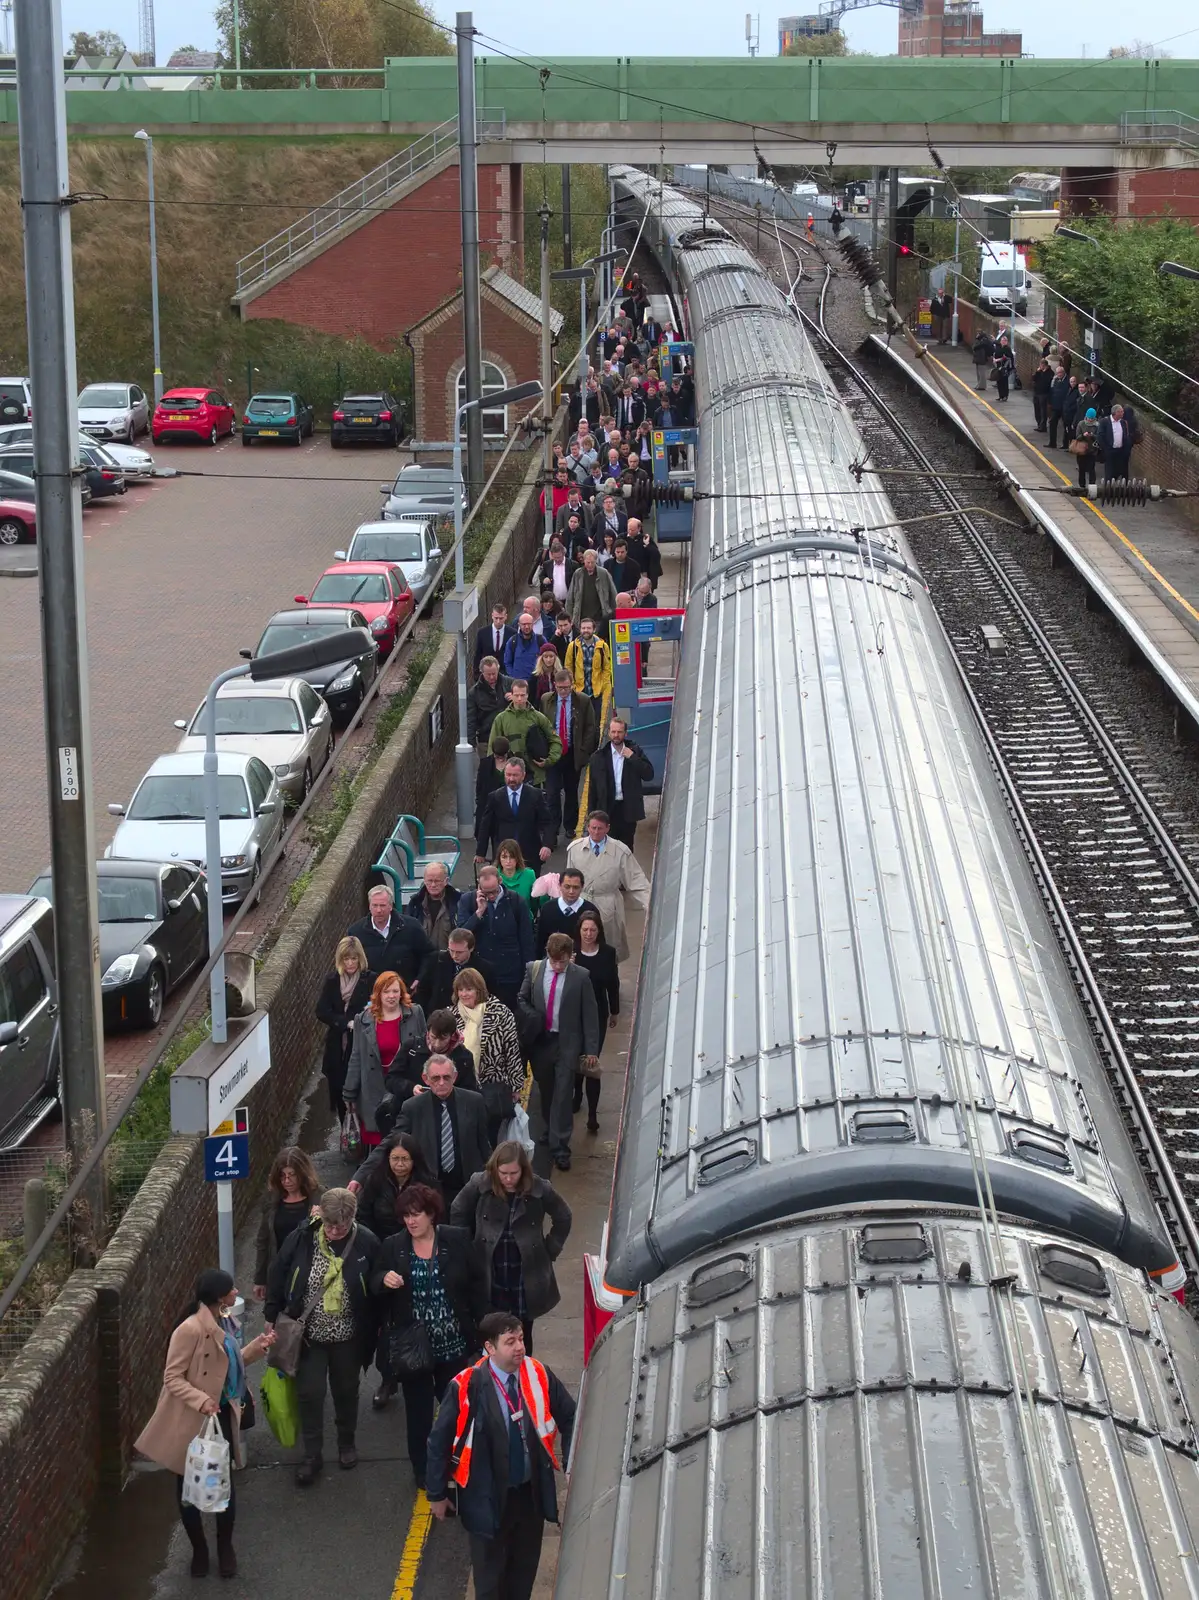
(472, 1027)
(348, 982)
(333, 1296)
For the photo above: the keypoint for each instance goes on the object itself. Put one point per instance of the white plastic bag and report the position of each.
(206, 1480)
(517, 1127)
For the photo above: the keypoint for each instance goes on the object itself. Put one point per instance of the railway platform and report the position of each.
(1142, 563)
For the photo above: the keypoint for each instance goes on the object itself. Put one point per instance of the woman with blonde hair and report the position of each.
(390, 1023)
(344, 994)
(488, 1030)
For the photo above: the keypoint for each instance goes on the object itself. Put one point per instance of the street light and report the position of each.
(460, 608)
(583, 274)
(1175, 269)
(149, 144)
(1086, 238)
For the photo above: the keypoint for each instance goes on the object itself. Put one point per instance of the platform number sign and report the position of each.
(226, 1155)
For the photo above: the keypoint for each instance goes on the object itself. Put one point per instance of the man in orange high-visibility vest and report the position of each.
(502, 1431)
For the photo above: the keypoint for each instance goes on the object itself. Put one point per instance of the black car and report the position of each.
(101, 474)
(343, 683)
(368, 416)
(286, 417)
(153, 934)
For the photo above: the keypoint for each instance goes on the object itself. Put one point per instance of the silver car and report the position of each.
(165, 819)
(137, 464)
(410, 542)
(114, 411)
(282, 721)
(418, 488)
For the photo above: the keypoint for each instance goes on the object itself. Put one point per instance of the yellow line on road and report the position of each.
(414, 1544)
(1056, 470)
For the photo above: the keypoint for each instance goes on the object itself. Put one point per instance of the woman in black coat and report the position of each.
(346, 993)
(427, 1274)
(507, 1207)
(598, 959)
(400, 1164)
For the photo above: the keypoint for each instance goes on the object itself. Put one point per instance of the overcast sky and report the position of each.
(702, 27)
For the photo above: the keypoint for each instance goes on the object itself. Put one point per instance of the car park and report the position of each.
(282, 721)
(164, 821)
(153, 934)
(378, 589)
(409, 543)
(114, 411)
(192, 414)
(378, 417)
(342, 683)
(419, 489)
(29, 1037)
(16, 400)
(18, 521)
(284, 417)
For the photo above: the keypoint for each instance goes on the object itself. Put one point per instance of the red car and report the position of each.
(378, 589)
(18, 522)
(202, 413)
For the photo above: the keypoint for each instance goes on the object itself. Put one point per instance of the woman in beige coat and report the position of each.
(205, 1377)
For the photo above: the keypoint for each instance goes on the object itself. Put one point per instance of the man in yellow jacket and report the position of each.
(589, 662)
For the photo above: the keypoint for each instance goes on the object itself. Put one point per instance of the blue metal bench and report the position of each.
(407, 853)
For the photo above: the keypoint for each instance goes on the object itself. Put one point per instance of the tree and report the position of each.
(833, 43)
(326, 33)
(1138, 50)
(103, 43)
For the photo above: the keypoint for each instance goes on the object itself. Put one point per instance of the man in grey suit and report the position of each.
(449, 1124)
(557, 1005)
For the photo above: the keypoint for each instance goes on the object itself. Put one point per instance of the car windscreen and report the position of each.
(361, 402)
(12, 391)
(181, 402)
(387, 547)
(104, 398)
(352, 588)
(15, 486)
(997, 277)
(121, 899)
(270, 405)
(179, 797)
(424, 486)
(251, 714)
(281, 636)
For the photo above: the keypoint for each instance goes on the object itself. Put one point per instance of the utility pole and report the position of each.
(547, 373)
(875, 203)
(957, 270)
(472, 305)
(50, 311)
(148, 141)
(892, 230)
(566, 259)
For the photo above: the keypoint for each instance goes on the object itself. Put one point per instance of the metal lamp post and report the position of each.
(149, 144)
(585, 273)
(1089, 238)
(1175, 269)
(461, 608)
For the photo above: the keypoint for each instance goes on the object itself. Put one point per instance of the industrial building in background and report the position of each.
(926, 27)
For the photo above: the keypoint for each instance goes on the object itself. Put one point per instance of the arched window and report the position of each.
(495, 421)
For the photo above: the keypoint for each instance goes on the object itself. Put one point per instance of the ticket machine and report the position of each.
(645, 663)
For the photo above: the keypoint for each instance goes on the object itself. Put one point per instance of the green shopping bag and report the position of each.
(278, 1394)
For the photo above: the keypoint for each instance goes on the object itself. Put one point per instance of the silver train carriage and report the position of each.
(850, 992)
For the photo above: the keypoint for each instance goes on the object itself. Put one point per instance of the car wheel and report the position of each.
(147, 1009)
(245, 440)
(329, 751)
(212, 435)
(12, 531)
(307, 790)
(156, 438)
(299, 438)
(253, 893)
(334, 442)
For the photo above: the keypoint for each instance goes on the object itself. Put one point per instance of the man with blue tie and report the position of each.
(517, 811)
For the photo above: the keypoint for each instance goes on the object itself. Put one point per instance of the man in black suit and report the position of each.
(517, 811)
(490, 641)
(393, 943)
(450, 1124)
(558, 1009)
(443, 966)
(574, 719)
(564, 914)
(618, 769)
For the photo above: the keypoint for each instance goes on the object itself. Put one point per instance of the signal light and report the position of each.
(904, 250)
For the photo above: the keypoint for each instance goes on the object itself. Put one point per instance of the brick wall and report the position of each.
(507, 341)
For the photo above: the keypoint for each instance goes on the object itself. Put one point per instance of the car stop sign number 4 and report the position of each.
(226, 1155)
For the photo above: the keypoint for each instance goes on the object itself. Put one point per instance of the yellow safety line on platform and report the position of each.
(418, 1531)
(1054, 468)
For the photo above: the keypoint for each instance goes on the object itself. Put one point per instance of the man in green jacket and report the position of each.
(515, 724)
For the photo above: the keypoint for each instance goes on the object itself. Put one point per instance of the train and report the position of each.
(896, 1316)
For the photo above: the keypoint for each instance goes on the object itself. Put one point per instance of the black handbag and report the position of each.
(537, 745)
(497, 1098)
(408, 1352)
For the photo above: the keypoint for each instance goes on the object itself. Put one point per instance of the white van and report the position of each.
(996, 262)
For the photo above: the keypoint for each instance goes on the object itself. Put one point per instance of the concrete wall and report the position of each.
(83, 1386)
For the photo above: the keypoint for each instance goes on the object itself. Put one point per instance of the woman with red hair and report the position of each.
(390, 1022)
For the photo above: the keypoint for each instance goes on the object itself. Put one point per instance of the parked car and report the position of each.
(378, 589)
(283, 722)
(409, 543)
(368, 416)
(153, 934)
(21, 487)
(16, 400)
(277, 416)
(199, 413)
(137, 464)
(114, 411)
(102, 474)
(419, 488)
(342, 683)
(29, 1042)
(165, 819)
(18, 521)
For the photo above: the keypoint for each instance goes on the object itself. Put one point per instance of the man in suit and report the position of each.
(564, 914)
(573, 715)
(557, 1006)
(443, 966)
(392, 943)
(618, 769)
(449, 1124)
(1116, 440)
(623, 569)
(491, 641)
(503, 928)
(517, 811)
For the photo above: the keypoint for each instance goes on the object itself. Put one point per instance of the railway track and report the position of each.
(1110, 859)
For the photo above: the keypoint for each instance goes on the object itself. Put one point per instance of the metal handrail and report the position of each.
(371, 190)
(1159, 127)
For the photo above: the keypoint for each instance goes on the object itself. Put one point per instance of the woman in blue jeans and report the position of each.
(428, 1274)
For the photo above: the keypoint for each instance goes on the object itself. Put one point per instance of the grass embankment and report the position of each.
(216, 200)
